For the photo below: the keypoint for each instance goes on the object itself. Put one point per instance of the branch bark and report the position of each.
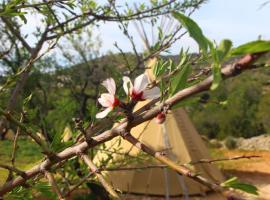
(53, 184)
(99, 176)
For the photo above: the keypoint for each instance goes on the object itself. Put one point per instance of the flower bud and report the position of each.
(160, 118)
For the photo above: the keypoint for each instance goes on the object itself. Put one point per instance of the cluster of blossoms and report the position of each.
(136, 92)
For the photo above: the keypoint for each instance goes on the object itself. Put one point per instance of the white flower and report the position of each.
(108, 100)
(139, 91)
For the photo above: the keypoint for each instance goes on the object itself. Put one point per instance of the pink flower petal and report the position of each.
(104, 113)
(106, 100)
(127, 85)
(109, 84)
(153, 93)
(140, 83)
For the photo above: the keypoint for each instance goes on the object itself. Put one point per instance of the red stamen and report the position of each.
(137, 96)
(116, 102)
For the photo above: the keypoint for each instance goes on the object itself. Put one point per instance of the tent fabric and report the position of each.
(178, 138)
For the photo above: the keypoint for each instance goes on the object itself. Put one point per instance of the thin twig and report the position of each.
(13, 169)
(101, 179)
(222, 159)
(53, 183)
(82, 180)
(15, 144)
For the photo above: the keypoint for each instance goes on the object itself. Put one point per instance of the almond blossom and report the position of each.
(140, 92)
(108, 100)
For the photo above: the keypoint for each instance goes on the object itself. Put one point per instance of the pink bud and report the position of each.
(160, 118)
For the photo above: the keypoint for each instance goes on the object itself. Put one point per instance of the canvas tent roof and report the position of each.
(178, 138)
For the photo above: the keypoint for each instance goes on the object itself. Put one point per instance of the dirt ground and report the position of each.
(254, 171)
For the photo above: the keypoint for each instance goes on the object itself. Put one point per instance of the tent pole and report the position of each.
(167, 194)
(180, 178)
(183, 187)
(167, 146)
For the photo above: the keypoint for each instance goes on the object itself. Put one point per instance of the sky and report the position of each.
(239, 20)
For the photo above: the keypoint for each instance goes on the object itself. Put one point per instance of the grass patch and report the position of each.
(28, 154)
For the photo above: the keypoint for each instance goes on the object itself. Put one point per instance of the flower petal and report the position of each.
(106, 100)
(141, 83)
(153, 93)
(127, 84)
(104, 113)
(109, 84)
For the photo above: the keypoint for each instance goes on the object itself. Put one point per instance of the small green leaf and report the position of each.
(224, 49)
(194, 30)
(216, 69)
(257, 46)
(23, 18)
(57, 143)
(27, 99)
(235, 184)
(160, 68)
(179, 81)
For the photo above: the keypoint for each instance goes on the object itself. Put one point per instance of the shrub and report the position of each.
(231, 142)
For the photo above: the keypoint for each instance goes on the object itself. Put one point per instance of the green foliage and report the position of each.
(218, 54)
(194, 30)
(252, 47)
(245, 111)
(37, 189)
(28, 154)
(179, 81)
(10, 9)
(223, 49)
(230, 142)
(235, 184)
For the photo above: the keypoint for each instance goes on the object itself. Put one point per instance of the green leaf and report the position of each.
(179, 81)
(216, 69)
(160, 68)
(235, 184)
(45, 189)
(194, 30)
(224, 49)
(23, 18)
(257, 46)
(219, 54)
(27, 99)
(56, 143)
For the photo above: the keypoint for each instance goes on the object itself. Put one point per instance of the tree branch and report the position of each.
(228, 71)
(101, 179)
(53, 184)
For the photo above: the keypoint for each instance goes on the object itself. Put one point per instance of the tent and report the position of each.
(178, 138)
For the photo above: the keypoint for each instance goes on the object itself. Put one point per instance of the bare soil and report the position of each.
(254, 171)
